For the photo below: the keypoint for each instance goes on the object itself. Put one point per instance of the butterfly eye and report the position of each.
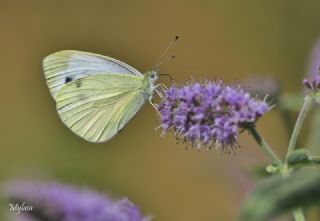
(152, 75)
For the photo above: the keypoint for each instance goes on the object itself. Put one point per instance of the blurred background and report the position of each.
(233, 40)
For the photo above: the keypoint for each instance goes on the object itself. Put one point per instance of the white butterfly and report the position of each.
(96, 96)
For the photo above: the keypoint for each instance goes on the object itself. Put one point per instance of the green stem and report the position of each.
(302, 115)
(264, 146)
(298, 215)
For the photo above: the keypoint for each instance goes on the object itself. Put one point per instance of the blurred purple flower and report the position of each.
(22, 217)
(314, 63)
(260, 85)
(56, 202)
(312, 80)
(312, 84)
(209, 113)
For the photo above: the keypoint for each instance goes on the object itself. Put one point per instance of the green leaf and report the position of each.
(278, 195)
(299, 156)
(302, 157)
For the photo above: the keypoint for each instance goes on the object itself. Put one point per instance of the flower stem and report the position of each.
(264, 146)
(302, 115)
(298, 215)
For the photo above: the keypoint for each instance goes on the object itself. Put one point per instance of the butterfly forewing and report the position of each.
(97, 107)
(66, 66)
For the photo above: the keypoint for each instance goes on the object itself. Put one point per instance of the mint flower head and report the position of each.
(209, 113)
(53, 202)
(314, 62)
(312, 78)
(312, 84)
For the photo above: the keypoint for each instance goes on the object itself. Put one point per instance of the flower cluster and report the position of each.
(313, 66)
(52, 202)
(314, 83)
(209, 113)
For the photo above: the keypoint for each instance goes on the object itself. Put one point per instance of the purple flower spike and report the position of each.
(313, 84)
(54, 202)
(314, 63)
(209, 113)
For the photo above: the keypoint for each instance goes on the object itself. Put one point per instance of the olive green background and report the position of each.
(232, 40)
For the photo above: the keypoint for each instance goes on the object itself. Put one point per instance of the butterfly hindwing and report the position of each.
(66, 66)
(97, 107)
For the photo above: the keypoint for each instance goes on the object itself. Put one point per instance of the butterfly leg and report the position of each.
(159, 93)
(159, 89)
(155, 106)
(162, 87)
(151, 101)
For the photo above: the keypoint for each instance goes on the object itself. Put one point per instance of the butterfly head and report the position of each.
(148, 84)
(152, 76)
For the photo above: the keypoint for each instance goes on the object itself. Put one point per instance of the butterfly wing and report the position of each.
(63, 67)
(97, 107)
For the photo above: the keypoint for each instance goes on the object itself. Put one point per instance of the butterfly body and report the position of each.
(96, 96)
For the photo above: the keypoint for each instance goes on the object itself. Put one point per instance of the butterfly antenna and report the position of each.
(164, 61)
(159, 62)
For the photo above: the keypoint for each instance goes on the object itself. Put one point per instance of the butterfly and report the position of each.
(96, 95)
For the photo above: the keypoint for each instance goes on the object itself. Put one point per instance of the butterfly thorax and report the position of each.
(148, 84)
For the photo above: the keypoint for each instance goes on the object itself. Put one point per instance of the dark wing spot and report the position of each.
(68, 79)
